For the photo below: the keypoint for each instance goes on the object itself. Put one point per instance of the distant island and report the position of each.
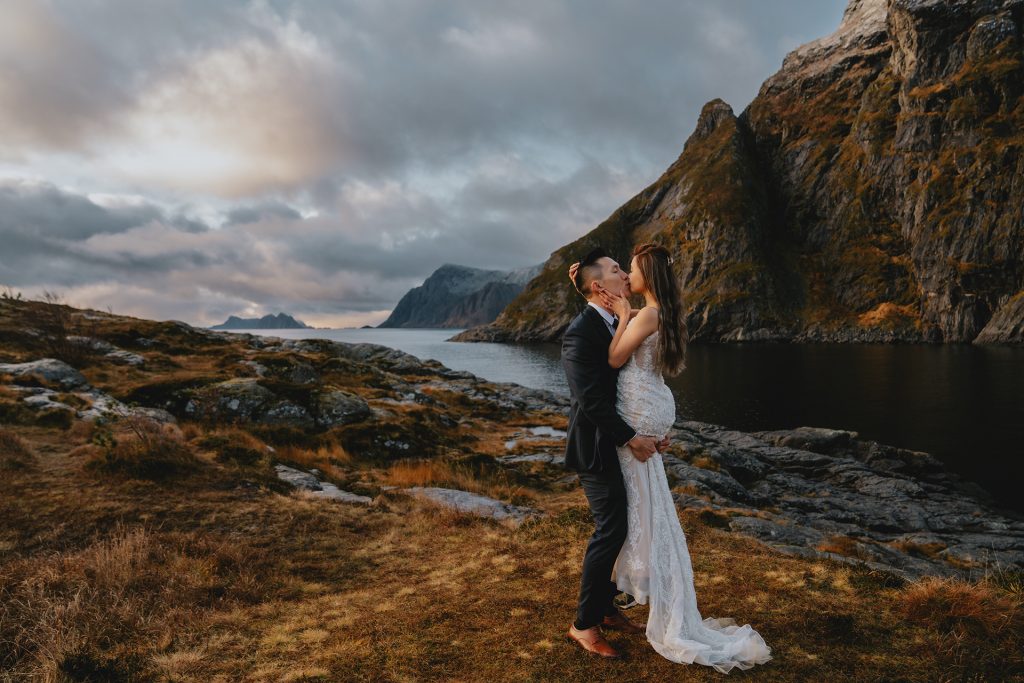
(459, 296)
(281, 321)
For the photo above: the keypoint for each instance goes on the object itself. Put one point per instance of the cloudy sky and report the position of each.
(191, 160)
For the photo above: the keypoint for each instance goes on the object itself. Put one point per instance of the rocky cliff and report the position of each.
(458, 296)
(872, 191)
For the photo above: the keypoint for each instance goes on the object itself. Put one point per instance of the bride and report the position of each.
(654, 562)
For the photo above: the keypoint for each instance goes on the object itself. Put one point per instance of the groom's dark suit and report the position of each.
(595, 429)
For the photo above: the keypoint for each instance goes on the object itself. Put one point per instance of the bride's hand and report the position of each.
(617, 303)
(572, 272)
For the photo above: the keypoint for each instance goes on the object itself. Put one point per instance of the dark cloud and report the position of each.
(409, 134)
(52, 213)
(250, 214)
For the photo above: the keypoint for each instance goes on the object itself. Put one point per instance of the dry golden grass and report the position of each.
(963, 613)
(919, 549)
(89, 613)
(140, 446)
(14, 452)
(140, 580)
(842, 545)
(465, 477)
(887, 313)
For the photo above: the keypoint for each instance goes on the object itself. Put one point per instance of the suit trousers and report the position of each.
(606, 493)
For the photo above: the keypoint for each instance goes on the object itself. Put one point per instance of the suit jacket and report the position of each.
(595, 428)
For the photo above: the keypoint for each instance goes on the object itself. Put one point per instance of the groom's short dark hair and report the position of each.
(589, 270)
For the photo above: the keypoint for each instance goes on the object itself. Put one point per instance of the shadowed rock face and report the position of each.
(457, 296)
(872, 191)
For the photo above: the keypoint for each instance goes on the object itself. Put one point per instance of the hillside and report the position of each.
(457, 296)
(870, 192)
(182, 504)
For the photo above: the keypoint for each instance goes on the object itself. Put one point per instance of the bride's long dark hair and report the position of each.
(655, 264)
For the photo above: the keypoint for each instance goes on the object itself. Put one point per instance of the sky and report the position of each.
(191, 160)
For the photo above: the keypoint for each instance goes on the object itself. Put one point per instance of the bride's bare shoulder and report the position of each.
(650, 314)
(646, 320)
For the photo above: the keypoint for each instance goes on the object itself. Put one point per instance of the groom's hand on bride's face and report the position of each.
(643, 447)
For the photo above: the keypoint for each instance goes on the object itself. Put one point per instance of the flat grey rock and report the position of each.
(550, 458)
(298, 478)
(329, 490)
(473, 503)
(50, 369)
(306, 481)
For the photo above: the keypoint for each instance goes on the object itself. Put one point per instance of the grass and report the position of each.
(15, 453)
(134, 580)
(139, 446)
(486, 481)
(116, 566)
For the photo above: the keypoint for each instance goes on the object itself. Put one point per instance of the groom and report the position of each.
(595, 429)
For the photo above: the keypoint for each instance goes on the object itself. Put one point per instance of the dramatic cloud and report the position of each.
(195, 160)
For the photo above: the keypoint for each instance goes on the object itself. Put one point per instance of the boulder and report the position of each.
(336, 407)
(245, 398)
(50, 369)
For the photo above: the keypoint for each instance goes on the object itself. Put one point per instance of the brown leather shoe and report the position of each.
(620, 622)
(592, 640)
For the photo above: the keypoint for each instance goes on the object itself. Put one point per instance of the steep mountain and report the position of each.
(872, 191)
(281, 321)
(459, 296)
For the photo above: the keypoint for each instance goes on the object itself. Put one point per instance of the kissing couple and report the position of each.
(620, 414)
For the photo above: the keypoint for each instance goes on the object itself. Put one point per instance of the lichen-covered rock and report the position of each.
(297, 478)
(50, 369)
(307, 481)
(123, 357)
(245, 398)
(338, 407)
(475, 504)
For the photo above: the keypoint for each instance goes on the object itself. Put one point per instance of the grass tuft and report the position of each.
(140, 446)
(15, 453)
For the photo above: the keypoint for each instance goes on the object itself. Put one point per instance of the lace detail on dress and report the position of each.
(654, 562)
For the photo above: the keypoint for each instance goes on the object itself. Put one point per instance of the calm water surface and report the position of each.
(963, 404)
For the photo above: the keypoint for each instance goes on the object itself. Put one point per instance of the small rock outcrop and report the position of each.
(340, 407)
(306, 481)
(246, 399)
(475, 504)
(49, 369)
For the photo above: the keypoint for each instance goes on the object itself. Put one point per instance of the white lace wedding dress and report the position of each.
(654, 563)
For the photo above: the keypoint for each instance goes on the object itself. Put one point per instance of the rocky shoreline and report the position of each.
(808, 491)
